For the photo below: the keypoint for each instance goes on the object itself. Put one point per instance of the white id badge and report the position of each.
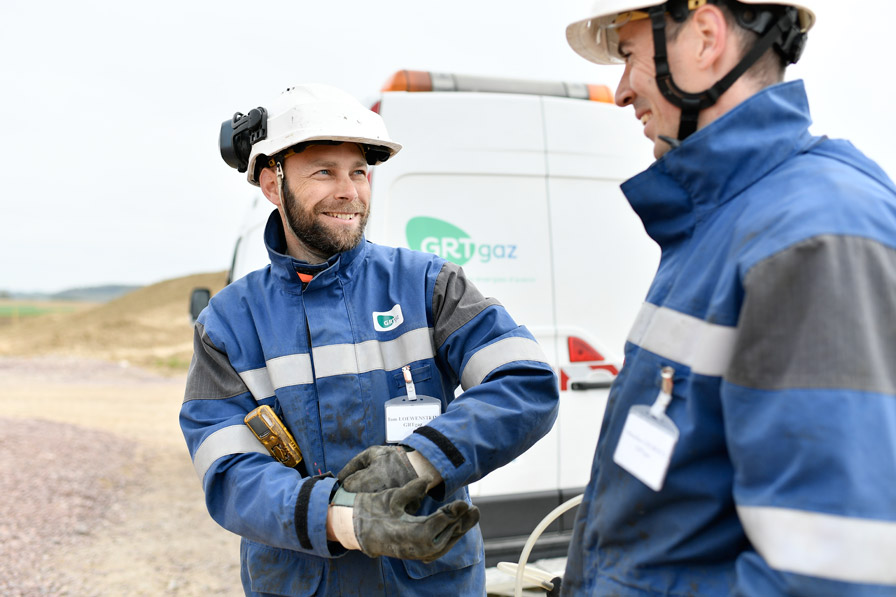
(403, 415)
(645, 447)
(648, 438)
(406, 413)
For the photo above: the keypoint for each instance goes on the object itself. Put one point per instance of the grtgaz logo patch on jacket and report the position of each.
(387, 320)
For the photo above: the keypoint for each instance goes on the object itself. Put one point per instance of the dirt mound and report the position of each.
(149, 327)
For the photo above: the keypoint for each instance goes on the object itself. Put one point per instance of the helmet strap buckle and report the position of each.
(280, 178)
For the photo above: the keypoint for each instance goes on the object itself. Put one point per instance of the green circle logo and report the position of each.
(441, 238)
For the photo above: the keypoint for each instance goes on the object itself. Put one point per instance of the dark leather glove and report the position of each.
(385, 526)
(377, 468)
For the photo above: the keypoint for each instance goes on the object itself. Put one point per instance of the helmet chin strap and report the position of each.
(781, 32)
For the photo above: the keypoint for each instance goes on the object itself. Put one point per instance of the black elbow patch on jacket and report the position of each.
(443, 443)
(301, 514)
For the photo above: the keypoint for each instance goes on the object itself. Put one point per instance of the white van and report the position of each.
(518, 182)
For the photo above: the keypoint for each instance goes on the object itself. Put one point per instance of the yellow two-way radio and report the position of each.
(274, 435)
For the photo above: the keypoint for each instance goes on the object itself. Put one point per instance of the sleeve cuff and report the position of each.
(311, 514)
(443, 456)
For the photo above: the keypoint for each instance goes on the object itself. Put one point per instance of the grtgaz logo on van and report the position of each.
(450, 242)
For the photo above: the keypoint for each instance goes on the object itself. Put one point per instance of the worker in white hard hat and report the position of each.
(357, 349)
(749, 441)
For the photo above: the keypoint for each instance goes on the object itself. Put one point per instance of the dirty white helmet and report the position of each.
(780, 25)
(595, 38)
(303, 113)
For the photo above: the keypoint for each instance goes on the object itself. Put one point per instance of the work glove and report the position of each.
(383, 523)
(377, 468)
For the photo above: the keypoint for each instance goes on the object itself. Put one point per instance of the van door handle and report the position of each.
(580, 386)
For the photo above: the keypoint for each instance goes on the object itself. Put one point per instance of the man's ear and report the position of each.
(713, 35)
(270, 186)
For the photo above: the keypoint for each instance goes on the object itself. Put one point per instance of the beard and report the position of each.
(314, 234)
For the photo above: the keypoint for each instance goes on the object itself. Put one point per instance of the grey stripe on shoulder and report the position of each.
(211, 375)
(820, 314)
(455, 301)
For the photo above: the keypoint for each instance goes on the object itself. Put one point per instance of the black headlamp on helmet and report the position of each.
(239, 133)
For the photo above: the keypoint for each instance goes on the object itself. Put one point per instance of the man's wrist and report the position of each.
(424, 468)
(340, 524)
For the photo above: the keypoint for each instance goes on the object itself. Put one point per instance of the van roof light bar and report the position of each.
(416, 80)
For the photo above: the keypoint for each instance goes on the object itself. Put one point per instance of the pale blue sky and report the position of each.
(109, 167)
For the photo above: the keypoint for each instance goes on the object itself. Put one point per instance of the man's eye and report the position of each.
(325, 172)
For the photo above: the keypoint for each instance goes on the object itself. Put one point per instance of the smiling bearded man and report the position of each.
(364, 509)
(335, 221)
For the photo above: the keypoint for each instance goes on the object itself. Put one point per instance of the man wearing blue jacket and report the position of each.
(749, 442)
(358, 349)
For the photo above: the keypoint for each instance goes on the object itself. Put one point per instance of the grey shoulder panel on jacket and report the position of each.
(819, 314)
(211, 376)
(455, 302)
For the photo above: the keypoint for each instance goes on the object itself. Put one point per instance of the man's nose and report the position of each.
(624, 95)
(346, 188)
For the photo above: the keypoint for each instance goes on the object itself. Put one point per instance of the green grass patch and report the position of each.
(171, 363)
(13, 310)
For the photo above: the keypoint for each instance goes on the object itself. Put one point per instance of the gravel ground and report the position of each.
(75, 370)
(60, 484)
(98, 497)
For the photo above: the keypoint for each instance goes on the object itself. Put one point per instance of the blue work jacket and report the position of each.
(774, 304)
(327, 356)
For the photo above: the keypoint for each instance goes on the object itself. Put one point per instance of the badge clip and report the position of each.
(665, 396)
(648, 437)
(409, 382)
(406, 413)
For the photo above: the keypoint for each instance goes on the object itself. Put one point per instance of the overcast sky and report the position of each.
(109, 166)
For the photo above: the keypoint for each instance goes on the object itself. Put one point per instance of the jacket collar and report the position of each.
(283, 265)
(719, 161)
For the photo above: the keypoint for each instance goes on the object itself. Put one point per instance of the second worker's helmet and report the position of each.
(780, 25)
(594, 37)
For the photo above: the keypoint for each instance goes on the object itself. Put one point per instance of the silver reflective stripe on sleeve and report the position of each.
(857, 550)
(704, 347)
(259, 383)
(234, 439)
(343, 359)
(495, 355)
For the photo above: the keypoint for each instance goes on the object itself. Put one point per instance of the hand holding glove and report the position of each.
(383, 523)
(377, 468)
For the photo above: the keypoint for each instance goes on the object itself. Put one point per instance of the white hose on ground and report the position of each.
(530, 542)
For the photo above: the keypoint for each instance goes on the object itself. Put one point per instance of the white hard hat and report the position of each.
(595, 39)
(317, 112)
